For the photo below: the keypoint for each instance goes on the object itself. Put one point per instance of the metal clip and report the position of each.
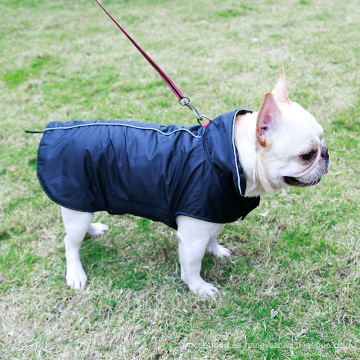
(185, 101)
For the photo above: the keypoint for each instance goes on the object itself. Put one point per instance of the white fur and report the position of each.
(195, 236)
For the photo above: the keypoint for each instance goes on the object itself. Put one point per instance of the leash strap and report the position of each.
(183, 100)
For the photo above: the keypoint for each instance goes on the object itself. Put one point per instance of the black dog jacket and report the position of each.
(153, 171)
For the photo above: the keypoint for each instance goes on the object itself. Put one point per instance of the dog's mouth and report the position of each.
(295, 182)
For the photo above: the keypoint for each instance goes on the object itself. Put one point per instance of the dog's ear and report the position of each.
(279, 91)
(268, 119)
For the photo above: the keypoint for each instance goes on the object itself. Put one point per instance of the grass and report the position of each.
(291, 288)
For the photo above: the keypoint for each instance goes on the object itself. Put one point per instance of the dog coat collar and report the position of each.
(154, 171)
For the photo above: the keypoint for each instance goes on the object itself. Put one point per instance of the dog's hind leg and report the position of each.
(76, 225)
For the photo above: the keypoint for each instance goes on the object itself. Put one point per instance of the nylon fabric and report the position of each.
(148, 170)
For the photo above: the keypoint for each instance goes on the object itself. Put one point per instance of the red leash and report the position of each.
(183, 100)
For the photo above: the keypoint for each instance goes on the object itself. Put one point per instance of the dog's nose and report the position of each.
(324, 152)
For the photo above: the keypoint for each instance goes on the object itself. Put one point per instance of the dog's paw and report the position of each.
(76, 278)
(204, 289)
(97, 229)
(219, 251)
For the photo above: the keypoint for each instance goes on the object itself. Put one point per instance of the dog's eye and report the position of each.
(308, 156)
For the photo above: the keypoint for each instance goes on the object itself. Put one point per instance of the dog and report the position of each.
(194, 179)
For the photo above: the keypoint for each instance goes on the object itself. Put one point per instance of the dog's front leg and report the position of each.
(194, 236)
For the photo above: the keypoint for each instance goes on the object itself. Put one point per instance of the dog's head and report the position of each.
(290, 143)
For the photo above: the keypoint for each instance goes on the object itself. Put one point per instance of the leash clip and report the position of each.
(185, 101)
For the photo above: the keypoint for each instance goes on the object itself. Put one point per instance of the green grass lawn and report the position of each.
(290, 289)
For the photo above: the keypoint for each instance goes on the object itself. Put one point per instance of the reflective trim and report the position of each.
(235, 152)
(131, 126)
(234, 146)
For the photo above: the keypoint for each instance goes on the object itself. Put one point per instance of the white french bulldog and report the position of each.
(280, 145)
